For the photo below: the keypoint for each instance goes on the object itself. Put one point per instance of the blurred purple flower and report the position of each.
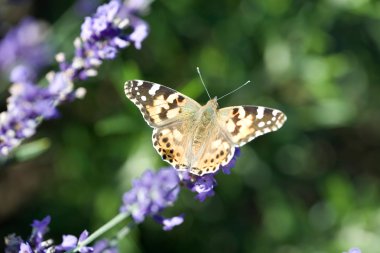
(85, 7)
(140, 33)
(22, 73)
(227, 168)
(150, 194)
(104, 246)
(102, 36)
(354, 250)
(70, 242)
(24, 46)
(40, 228)
(12, 243)
(38, 244)
(204, 185)
(169, 223)
(137, 6)
(25, 248)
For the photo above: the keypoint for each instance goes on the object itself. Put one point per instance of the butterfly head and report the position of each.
(212, 104)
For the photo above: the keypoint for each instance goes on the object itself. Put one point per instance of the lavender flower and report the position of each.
(155, 191)
(40, 228)
(227, 168)
(70, 242)
(104, 246)
(25, 248)
(204, 185)
(30, 54)
(85, 7)
(102, 36)
(169, 223)
(37, 243)
(150, 194)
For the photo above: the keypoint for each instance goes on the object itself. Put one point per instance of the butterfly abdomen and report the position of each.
(202, 127)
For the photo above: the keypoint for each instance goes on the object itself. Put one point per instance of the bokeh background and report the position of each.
(312, 186)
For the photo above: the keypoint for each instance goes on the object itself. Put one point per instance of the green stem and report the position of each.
(117, 219)
(125, 231)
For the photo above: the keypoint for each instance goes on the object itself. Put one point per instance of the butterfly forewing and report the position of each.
(159, 104)
(244, 123)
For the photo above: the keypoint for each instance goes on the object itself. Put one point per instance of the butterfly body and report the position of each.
(195, 138)
(204, 122)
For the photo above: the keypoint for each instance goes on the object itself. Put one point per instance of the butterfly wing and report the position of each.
(218, 151)
(244, 123)
(171, 141)
(159, 104)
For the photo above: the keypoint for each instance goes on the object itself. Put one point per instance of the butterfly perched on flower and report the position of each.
(195, 138)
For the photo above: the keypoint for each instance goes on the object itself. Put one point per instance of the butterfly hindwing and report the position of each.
(159, 104)
(218, 151)
(172, 143)
(244, 123)
(169, 141)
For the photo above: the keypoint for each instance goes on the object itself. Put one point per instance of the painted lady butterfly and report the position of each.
(196, 138)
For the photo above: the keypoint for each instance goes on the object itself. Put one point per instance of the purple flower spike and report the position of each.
(101, 38)
(38, 244)
(150, 194)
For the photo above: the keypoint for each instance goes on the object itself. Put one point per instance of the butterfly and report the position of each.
(195, 138)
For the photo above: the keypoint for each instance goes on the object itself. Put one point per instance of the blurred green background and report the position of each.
(312, 186)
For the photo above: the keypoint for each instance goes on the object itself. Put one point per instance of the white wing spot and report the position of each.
(241, 112)
(261, 124)
(153, 90)
(136, 88)
(266, 130)
(172, 113)
(269, 122)
(143, 98)
(216, 144)
(230, 126)
(275, 112)
(139, 83)
(177, 135)
(278, 124)
(260, 112)
(258, 133)
(171, 98)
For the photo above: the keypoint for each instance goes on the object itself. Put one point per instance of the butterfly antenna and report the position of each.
(241, 86)
(200, 76)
